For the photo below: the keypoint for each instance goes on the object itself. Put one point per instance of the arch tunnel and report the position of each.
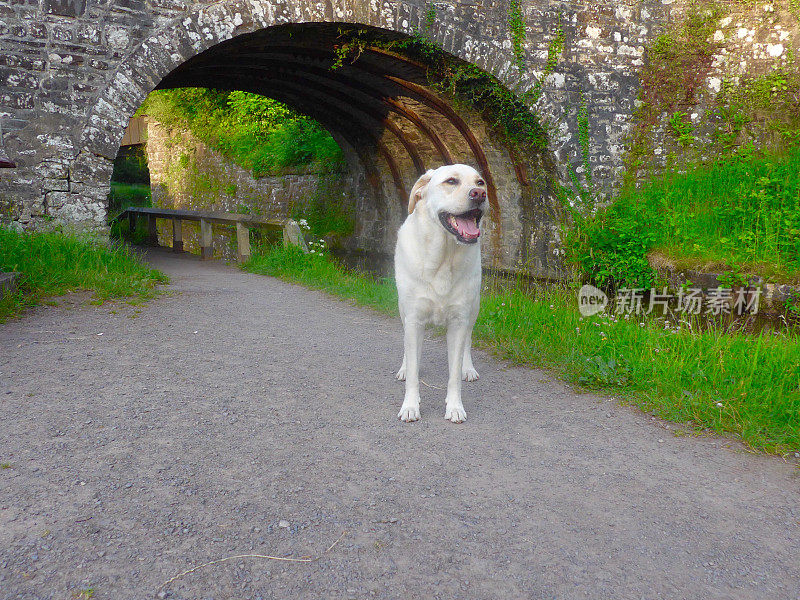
(391, 117)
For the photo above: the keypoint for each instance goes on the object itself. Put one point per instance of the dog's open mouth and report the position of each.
(466, 226)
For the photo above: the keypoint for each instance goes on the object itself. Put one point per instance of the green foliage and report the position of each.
(499, 105)
(123, 195)
(708, 379)
(298, 142)
(120, 230)
(130, 166)
(258, 133)
(734, 278)
(583, 138)
(53, 264)
(682, 129)
(320, 272)
(741, 214)
(764, 107)
(554, 50)
(611, 246)
(258, 113)
(430, 18)
(517, 28)
(465, 83)
(329, 212)
(677, 66)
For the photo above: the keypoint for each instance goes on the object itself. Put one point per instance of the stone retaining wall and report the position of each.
(185, 173)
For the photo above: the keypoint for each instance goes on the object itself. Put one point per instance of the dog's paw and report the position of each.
(408, 413)
(455, 413)
(469, 374)
(401, 374)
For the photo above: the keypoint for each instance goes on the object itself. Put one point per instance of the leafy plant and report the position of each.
(682, 129)
(602, 371)
(327, 212)
(733, 278)
(611, 248)
(517, 28)
(677, 66)
(130, 166)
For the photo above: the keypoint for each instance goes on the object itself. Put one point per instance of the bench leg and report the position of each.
(152, 231)
(131, 223)
(177, 235)
(243, 242)
(206, 240)
(293, 236)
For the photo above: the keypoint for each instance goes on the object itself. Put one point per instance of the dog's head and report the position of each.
(455, 197)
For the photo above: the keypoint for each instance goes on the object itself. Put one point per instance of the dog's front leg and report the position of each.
(468, 372)
(412, 341)
(457, 332)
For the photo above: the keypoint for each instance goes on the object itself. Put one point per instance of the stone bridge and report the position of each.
(73, 72)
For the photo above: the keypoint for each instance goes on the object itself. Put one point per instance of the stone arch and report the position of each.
(161, 61)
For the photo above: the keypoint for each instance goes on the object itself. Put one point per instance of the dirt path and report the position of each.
(241, 415)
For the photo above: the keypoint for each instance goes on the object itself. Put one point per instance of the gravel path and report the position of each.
(241, 415)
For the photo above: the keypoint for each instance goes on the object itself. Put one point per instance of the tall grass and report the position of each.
(320, 272)
(124, 195)
(739, 213)
(745, 385)
(55, 263)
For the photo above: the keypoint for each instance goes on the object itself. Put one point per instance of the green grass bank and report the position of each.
(737, 215)
(743, 385)
(53, 264)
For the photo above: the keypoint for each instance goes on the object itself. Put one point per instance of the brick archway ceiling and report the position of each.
(357, 101)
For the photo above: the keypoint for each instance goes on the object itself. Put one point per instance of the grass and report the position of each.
(319, 272)
(54, 264)
(729, 383)
(124, 195)
(739, 213)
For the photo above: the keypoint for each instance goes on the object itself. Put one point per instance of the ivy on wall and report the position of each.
(465, 83)
(676, 68)
(517, 29)
(760, 110)
(554, 51)
(583, 137)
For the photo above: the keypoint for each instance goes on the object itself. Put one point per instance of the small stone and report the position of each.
(284, 524)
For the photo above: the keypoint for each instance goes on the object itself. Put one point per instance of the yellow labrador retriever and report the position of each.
(437, 265)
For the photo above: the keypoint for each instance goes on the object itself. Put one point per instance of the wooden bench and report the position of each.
(244, 223)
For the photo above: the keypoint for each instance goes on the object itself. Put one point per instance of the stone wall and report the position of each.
(187, 174)
(72, 74)
(744, 83)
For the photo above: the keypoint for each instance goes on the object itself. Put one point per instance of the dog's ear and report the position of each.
(418, 190)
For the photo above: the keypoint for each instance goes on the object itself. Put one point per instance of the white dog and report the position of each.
(437, 265)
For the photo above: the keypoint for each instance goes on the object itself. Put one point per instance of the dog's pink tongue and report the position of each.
(467, 227)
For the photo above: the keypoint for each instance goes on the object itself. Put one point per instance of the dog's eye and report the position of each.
(452, 181)
(480, 182)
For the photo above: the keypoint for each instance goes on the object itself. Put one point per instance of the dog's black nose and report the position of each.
(477, 196)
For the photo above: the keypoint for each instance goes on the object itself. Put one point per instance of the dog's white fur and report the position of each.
(439, 281)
